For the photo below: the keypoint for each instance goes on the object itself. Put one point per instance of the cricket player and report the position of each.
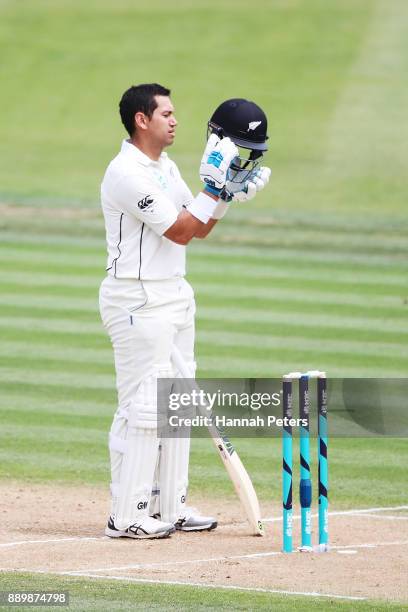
(147, 306)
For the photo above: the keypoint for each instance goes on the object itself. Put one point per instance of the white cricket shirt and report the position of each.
(141, 199)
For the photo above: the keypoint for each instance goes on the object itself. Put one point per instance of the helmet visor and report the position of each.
(241, 167)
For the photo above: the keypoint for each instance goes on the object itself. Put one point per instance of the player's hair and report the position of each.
(139, 99)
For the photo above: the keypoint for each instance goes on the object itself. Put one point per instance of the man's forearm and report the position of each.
(196, 222)
(204, 230)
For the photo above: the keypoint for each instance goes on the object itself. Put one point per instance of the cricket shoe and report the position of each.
(192, 520)
(144, 529)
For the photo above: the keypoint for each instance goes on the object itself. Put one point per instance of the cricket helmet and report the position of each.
(243, 121)
(246, 124)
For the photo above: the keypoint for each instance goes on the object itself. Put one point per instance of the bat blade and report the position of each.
(233, 464)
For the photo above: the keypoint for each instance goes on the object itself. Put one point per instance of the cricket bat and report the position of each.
(229, 456)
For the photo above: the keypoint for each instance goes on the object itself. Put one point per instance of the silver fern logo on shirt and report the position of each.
(146, 203)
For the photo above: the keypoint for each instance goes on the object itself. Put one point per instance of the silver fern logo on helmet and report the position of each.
(253, 125)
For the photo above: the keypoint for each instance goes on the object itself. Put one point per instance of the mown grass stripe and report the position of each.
(266, 361)
(373, 283)
(241, 343)
(209, 367)
(68, 242)
(47, 422)
(286, 218)
(33, 349)
(263, 353)
(315, 344)
(388, 358)
(24, 290)
(296, 295)
(63, 304)
(55, 267)
(224, 265)
(304, 308)
(83, 296)
(307, 273)
(95, 258)
(66, 455)
(37, 312)
(298, 329)
(29, 401)
(70, 380)
(48, 391)
(45, 278)
(279, 250)
(53, 365)
(96, 340)
(51, 302)
(56, 338)
(316, 242)
(266, 238)
(65, 447)
(86, 320)
(292, 228)
(279, 254)
(222, 291)
(61, 469)
(302, 240)
(17, 256)
(94, 357)
(312, 319)
(317, 321)
(71, 325)
(370, 288)
(66, 434)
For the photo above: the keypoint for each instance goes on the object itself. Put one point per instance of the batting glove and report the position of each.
(215, 162)
(246, 190)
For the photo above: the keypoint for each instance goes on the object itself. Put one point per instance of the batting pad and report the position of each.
(117, 446)
(134, 446)
(173, 469)
(173, 477)
(139, 456)
(136, 476)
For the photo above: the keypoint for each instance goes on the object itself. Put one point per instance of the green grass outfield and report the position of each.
(312, 274)
(111, 595)
(116, 596)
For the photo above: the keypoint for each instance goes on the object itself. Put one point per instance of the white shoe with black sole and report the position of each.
(147, 528)
(192, 520)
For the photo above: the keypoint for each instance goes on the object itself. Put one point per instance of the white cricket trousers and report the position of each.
(144, 319)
